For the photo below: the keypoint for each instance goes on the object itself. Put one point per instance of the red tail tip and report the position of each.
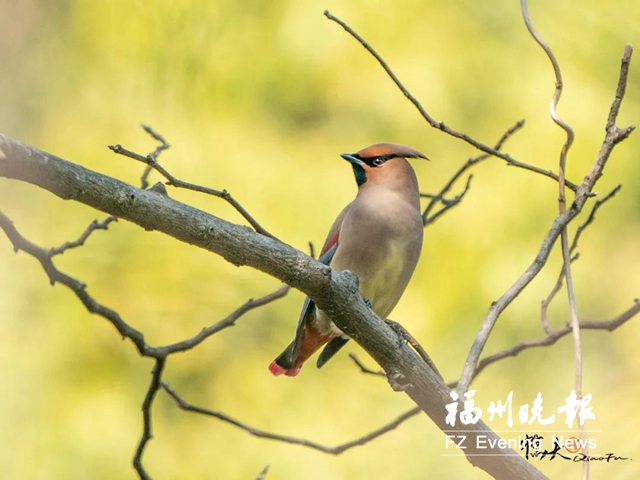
(276, 369)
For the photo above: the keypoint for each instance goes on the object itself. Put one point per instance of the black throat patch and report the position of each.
(358, 171)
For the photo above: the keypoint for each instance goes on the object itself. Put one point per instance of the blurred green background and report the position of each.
(260, 98)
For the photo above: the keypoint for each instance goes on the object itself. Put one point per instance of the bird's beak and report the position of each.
(350, 158)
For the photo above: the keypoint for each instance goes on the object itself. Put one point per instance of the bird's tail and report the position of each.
(290, 361)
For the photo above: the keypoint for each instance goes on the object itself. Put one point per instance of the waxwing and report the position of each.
(378, 236)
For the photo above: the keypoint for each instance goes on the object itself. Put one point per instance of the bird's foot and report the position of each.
(405, 337)
(399, 331)
(368, 303)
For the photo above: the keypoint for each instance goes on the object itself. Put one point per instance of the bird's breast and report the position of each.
(380, 241)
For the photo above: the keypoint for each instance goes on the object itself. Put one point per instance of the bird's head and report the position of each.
(383, 162)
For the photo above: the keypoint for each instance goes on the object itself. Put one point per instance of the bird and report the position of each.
(378, 236)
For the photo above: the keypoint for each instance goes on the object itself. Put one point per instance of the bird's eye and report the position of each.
(378, 161)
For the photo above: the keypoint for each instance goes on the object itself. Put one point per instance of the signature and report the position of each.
(581, 457)
(555, 452)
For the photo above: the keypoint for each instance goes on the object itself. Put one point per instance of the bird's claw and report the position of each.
(399, 331)
(405, 337)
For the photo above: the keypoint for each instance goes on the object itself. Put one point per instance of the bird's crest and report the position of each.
(388, 149)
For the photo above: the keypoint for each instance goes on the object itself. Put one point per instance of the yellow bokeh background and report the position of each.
(260, 98)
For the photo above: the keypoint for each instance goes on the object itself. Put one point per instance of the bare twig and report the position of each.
(448, 204)
(93, 226)
(564, 237)
(160, 354)
(44, 257)
(151, 162)
(544, 304)
(365, 369)
(557, 92)
(162, 146)
(229, 321)
(555, 335)
(613, 136)
(263, 474)
(438, 124)
(562, 202)
(154, 386)
(574, 256)
(427, 217)
(550, 339)
(104, 225)
(286, 439)
(592, 216)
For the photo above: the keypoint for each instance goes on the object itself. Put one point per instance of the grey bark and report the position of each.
(334, 292)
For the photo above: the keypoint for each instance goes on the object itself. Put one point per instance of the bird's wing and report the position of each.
(308, 307)
(332, 237)
(337, 343)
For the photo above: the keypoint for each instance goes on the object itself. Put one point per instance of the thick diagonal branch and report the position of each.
(334, 292)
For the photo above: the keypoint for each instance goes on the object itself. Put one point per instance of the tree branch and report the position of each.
(263, 474)
(229, 321)
(334, 292)
(160, 354)
(80, 289)
(364, 369)
(550, 339)
(544, 305)
(427, 217)
(553, 336)
(613, 136)
(151, 162)
(154, 386)
(438, 124)
(564, 235)
(286, 439)
(162, 146)
(93, 226)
